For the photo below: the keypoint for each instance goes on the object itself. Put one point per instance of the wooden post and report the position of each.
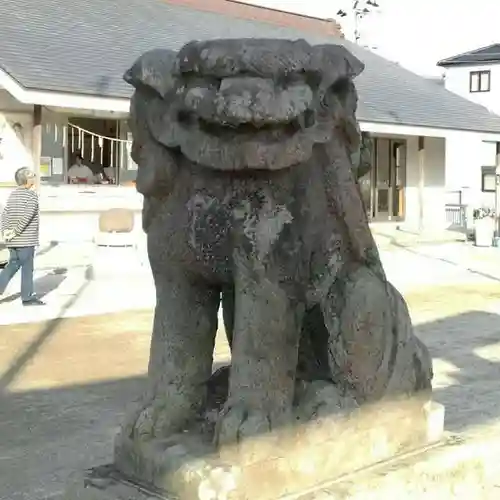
(36, 142)
(421, 181)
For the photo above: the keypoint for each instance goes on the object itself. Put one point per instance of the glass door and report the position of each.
(366, 182)
(383, 192)
(389, 179)
(399, 158)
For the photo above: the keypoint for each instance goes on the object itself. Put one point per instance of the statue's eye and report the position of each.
(313, 80)
(309, 118)
(212, 83)
(136, 148)
(288, 79)
(325, 99)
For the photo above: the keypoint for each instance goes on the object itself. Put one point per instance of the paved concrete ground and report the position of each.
(65, 382)
(61, 278)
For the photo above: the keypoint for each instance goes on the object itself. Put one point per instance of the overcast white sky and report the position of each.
(416, 33)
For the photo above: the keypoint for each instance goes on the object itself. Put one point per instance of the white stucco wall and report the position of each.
(466, 154)
(434, 217)
(15, 136)
(70, 212)
(17, 151)
(16, 141)
(458, 81)
(53, 131)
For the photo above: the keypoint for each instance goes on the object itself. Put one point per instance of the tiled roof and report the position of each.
(484, 55)
(85, 49)
(252, 12)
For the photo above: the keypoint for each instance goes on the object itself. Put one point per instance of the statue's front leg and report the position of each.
(182, 345)
(264, 359)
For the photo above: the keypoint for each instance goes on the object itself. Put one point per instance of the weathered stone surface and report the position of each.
(330, 438)
(184, 467)
(245, 151)
(455, 468)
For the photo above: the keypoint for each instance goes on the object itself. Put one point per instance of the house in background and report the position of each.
(67, 95)
(54, 108)
(70, 117)
(475, 75)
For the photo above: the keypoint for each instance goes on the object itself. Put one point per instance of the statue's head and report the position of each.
(244, 104)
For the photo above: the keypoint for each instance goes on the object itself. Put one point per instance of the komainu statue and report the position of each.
(251, 202)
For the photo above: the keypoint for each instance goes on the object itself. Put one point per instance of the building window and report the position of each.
(488, 179)
(480, 81)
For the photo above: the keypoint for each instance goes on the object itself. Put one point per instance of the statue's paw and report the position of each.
(245, 435)
(152, 419)
(238, 423)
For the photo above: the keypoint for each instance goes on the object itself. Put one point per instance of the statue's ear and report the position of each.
(337, 68)
(138, 117)
(335, 62)
(153, 70)
(157, 163)
(340, 101)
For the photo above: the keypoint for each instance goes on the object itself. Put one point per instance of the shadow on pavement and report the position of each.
(447, 261)
(48, 434)
(466, 352)
(46, 249)
(43, 285)
(36, 344)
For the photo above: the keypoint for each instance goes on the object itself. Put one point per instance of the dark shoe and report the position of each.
(33, 302)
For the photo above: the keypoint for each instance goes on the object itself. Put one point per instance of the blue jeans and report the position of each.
(20, 258)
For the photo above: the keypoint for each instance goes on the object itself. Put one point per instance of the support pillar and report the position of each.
(421, 182)
(497, 192)
(36, 142)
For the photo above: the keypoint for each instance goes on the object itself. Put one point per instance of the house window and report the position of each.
(488, 179)
(480, 81)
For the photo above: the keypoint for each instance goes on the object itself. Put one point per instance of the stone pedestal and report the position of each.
(290, 462)
(450, 469)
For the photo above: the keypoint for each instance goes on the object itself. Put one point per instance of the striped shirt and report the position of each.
(21, 214)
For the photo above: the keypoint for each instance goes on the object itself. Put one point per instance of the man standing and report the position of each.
(20, 229)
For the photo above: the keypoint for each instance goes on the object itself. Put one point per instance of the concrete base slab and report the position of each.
(284, 463)
(453, 469)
